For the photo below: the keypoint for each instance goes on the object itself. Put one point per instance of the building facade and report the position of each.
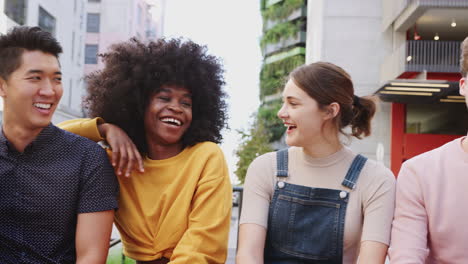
(283, 46)
(111, 21)
(84, 28)
(404, 51)
(407, 53)
(420, 74)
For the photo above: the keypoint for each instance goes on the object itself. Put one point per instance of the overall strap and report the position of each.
(353, 173)
(282, 163)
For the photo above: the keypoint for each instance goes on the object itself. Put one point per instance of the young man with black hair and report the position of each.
(58, 191)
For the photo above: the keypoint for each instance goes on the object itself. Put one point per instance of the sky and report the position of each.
(231, 30)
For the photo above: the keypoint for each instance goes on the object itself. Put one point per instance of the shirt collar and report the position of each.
(44, 138)
(3, 142)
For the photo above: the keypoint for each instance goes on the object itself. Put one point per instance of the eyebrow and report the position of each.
(41, 72)
(292, 97)
(188, 95)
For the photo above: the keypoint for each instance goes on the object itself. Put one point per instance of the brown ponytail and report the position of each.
(328, 83)
(363, 112)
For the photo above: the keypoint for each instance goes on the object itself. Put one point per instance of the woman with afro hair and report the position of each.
(164, 109)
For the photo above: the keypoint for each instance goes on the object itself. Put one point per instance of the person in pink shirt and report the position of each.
(432, 200)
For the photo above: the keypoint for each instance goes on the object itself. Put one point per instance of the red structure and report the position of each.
(407, 145)
(422, 75)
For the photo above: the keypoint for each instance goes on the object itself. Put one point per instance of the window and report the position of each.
(91, 54)
(46, 21)
(442, 118)
(16, 10)
(93, 22)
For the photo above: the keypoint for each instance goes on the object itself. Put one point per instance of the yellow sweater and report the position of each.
(179, 208)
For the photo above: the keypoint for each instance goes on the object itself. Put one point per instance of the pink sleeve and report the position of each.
(409, 230)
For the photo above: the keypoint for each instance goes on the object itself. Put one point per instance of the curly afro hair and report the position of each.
(120, 93)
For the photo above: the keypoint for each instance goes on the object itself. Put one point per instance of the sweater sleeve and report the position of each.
(409, 231)
(206, 238)
(378, 205)
(84, 127)
(258, 190)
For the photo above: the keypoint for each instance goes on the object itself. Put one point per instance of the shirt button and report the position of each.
(16, 194)
(343, 194)
(281, 185)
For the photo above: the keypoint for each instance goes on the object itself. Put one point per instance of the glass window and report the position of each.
(442, 118)
(91, 54)
(46, 21)
(92, 23)
(16, 10)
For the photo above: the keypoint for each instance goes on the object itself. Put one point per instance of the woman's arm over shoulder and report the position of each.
(84, 127)
(125, 156)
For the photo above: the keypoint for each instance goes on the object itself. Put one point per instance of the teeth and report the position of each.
(43, 106)
(289, 126)
(172, 120)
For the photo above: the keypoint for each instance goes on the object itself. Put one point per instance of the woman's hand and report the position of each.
(125, 154)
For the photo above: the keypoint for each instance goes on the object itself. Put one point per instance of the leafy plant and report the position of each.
(254, 143)
(267, 127)
(273, 75)
(268, 116)
(282, 10)
(281, 31)
(262, 4)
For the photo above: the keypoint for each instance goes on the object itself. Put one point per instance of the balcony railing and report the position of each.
(439, 3)
(296, 14)
(297, 40)
(432, 56)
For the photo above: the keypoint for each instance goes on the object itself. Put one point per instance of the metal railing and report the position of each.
(240, 190)
(439, 3)
(432, 56)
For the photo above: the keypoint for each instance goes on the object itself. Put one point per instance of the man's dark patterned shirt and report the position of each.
(42, 191)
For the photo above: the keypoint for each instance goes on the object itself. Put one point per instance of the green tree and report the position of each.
(254, 143)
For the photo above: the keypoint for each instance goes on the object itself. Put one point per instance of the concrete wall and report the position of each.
(349, 34)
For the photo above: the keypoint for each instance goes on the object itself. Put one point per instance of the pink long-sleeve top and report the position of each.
(431, 215)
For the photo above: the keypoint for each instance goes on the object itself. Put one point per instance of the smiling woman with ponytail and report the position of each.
(318, 201)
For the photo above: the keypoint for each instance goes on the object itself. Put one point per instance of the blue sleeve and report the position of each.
(99, 187)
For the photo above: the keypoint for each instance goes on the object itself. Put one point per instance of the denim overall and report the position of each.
(306, 224)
